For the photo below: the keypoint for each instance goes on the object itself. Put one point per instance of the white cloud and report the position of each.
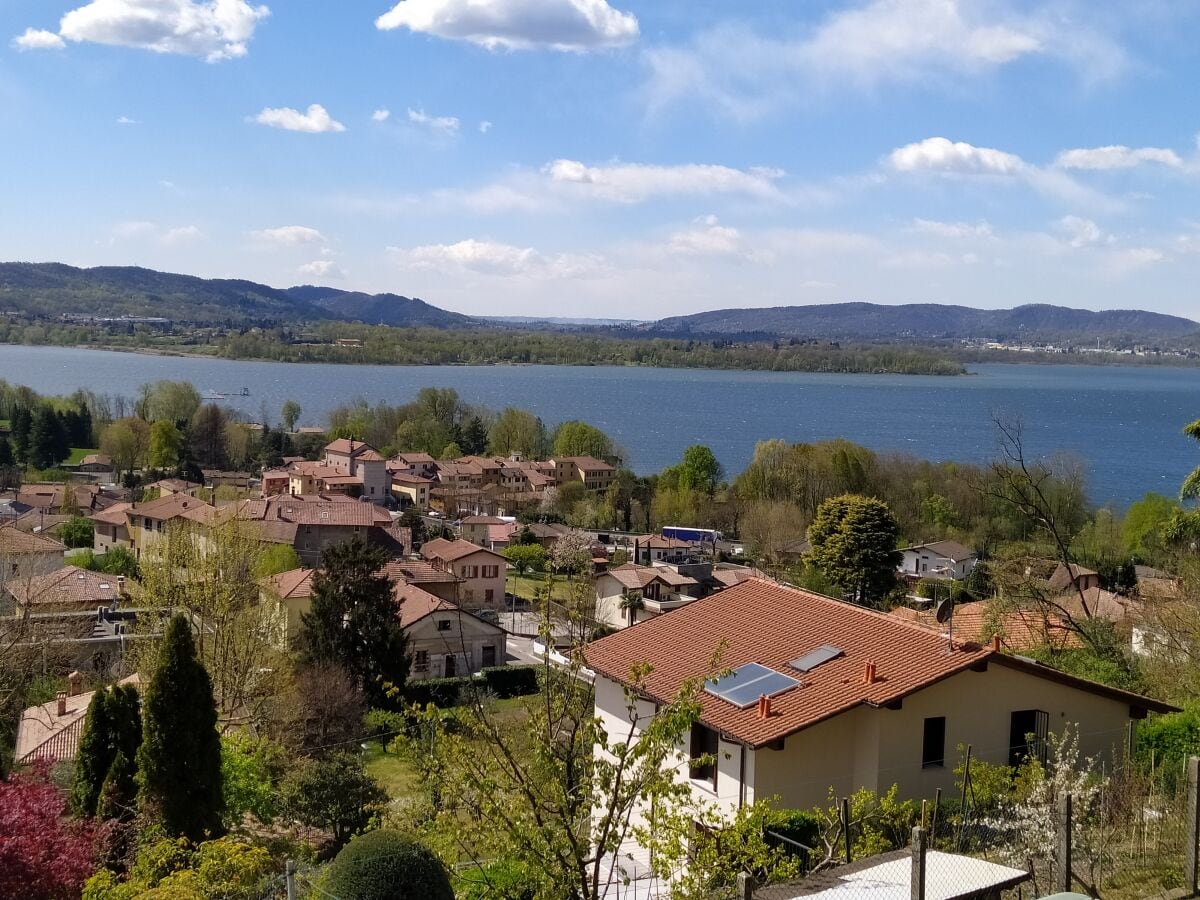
(289, 235)
(1080, 232)
(125, 120)
(128, 230)
(445, 125)
(215, 30)
(1131, 259)
(381, 115)
(951, 229)
(711, 240)
(314, 121)
(572, 25)
(184, 234)
(321, 268)
(492, 258)
(150, 231)
(1117, 157)
(634, 182)
(937, 154)
(485, 126)
(743, 74)
(37, 39)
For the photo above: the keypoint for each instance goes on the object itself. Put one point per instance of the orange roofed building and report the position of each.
(828, 695)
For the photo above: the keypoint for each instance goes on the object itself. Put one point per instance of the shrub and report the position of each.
(76, 532)
(504, 879)
(443, 692)
(1169, 739)
(334, 793)
(511, 681)
(801, 826)
(386, 865)
(382, 724)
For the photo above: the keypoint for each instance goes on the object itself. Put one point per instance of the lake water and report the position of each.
(1124, 422)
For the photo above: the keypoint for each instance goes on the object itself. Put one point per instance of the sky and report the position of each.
(619, 159)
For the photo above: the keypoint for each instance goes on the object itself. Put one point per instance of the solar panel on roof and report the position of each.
(822, 654)
(744, 685)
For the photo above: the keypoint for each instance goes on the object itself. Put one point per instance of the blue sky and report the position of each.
(617, 159)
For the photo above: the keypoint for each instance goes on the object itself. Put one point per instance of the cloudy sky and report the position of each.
(630, 158)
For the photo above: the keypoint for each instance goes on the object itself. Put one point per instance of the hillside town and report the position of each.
(791, 658)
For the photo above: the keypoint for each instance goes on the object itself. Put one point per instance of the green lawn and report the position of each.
(527, 586)
(392, 771)
(78, 453)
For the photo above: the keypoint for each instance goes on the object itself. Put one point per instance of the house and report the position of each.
(24, 555)
(52, 730)
(476, 529)
(628, 594)
(824, 696)
(595, 474)
(415, 464)
(68, 589)
(291, 594)
(424, 574)
(1019, 629)
(443, 639)
(656, 548)
(310, 524)
(168, 486)
(411, 489)
(96, 464)
(482, 571)
(1073, 578)
(275, 481)
(938, 559)
(361, 462)
(145, 523)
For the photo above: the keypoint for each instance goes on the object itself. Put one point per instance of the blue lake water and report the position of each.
(1125, 423)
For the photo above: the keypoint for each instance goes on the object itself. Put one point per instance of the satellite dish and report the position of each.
(945, 611)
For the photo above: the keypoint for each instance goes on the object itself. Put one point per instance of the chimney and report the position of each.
(764, 707)
(75, 683)
(869, 673)
(996, 643)
(62, 703)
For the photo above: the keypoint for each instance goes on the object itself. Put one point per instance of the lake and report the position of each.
(1124, 422)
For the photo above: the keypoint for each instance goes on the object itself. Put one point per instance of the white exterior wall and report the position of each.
(376, 481)
(464, 640)
(924, 562)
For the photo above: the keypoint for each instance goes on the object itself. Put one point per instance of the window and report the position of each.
(1027, 732)
(933, 745)
(704, 744)
(421, 661)
(443, 624)
(488, 656)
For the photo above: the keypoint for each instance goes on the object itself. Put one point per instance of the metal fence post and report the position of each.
(745, 886)
(1192, 857)
(290, 871)
(846, 826)
(919, 849)
(1064, 844)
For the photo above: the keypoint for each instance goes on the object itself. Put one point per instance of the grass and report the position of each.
(393, 772)
(527, 586)
(78, 453)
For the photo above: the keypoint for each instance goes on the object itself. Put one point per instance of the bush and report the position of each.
(443, 692)
(382, 724)
(386, 865)
(511, 681)
(797, 825)
(1169, 739)
(504, 879)
(76, 532)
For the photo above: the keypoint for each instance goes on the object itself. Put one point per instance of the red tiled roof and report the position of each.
(293, 583)
(170, 507)
(357, 449)
(440, 548)
(483, 520)
(114, 515)
(410, 478)
(13, 540)
(69, 586)
(416, 604)
(1018, 629)
(587, 463)
(633, 576)
(417, 571)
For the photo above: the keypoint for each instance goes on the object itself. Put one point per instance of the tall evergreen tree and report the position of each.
(179, 763)
(47, 439)
(475, 436)
(95, 755)
(354, 620)
(22, 424)
(6, 453)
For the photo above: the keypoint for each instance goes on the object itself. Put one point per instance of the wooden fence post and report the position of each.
(919, 849)
(745, 886)
(1192, 856)
(1064, 844)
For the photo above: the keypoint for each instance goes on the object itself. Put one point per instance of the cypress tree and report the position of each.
(119, 791)
(22, 423)
(179, 763)
(95, 755)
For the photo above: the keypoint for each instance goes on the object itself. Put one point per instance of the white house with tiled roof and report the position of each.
(444, 640)
(825, 695)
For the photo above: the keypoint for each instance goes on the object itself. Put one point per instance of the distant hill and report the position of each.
(930, 321)
(378, 309)
(54, 289)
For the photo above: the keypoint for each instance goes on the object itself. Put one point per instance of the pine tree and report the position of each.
(354, 620)
(47, 439)
(179, 763)
(95, 755)
(475, 436)
(119, 791)
(22, 424)
(6, 453)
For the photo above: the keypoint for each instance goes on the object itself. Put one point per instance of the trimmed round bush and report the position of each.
(386, 865)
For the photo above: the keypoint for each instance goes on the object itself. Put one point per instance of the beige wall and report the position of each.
(465, 640)
(473, 591)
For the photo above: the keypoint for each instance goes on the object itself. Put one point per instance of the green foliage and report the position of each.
(853, 542)
(353, 622)
(386, 865)
(511, 681)
(700, 471)
(112, 731)
(118, 794)
(180, 758)
(289, 415)
(505, 879)
(581, 439)
(334, 793)
(384, 724)
(526, 557)
(1103, 659)
(117, 561)
(1144, 528)
(276, 558)
(166, 444)
(177, 870)
(518, 431)
(77, 531)
(251, 769)
(1169, 739)
(441, 692)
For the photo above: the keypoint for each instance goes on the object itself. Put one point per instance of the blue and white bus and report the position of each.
(692, 535)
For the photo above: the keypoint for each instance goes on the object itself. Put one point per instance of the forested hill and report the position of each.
(921, 321)
(54, 289)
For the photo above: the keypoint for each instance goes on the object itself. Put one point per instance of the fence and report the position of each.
(1126, 834)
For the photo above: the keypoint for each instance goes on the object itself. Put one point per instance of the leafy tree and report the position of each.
(526, 557)
(290, 414)
(77, 531)
(334, 793)
(853, 542)
(572, 553)
(44, 854)
(414, 521)
(174, 869)
(117, 561)
(700, 470)
(581, 439)
(208, 436)
(118, 794)
(1144, 527)
(6, 452)
(276, 558)
(518, 431)
(353, 621)
(126, 442)
(179, 761)
(47, 439)
(387, 865)
(251, 770)
(166, 444)
(168, 401)
(451, 451)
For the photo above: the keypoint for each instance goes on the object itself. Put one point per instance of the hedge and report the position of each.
(386, 865)
(511, 681)
(501, 681)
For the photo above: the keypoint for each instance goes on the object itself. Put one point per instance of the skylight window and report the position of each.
(744, 685)
(820, 656)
